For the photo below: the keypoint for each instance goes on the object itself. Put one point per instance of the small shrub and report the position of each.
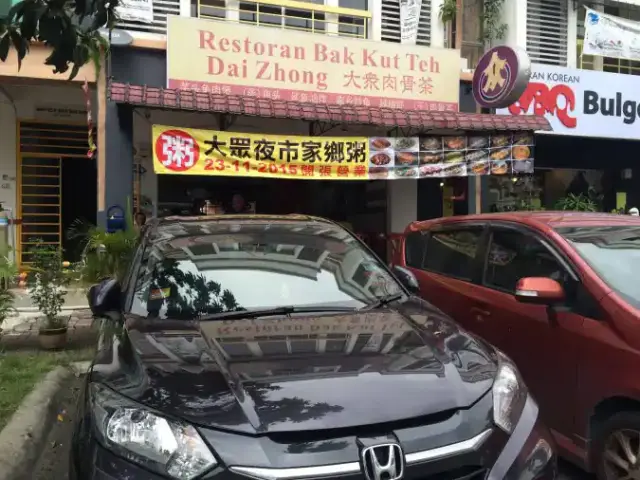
(48, 281)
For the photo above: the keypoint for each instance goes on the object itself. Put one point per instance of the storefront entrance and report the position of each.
(56, 185)
(361, 206)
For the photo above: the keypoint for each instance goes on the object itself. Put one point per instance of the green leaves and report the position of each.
(69, 28)
(5, 43)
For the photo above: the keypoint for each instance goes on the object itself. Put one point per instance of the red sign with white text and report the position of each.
(268, 62)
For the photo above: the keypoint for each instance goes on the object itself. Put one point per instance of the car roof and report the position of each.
(552, 219)
(166, 228)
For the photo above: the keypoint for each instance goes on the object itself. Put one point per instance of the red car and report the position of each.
(559, 292)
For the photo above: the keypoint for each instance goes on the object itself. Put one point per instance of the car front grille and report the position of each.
(462, 473)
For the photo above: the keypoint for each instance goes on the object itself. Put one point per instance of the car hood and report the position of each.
(288, 374)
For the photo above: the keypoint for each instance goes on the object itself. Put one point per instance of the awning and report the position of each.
(169, 99)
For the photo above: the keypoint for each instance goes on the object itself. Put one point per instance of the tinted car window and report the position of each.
(255, 265)
(414, 246)
(514, 255)
(453, 252)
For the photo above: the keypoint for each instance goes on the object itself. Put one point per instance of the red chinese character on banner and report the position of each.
(390, 82)
(307, 170)
(426, 86)
(371, 81)
(343, 171)
(351, 79)
(177, 150)
(407, 83)
(325, 171)
(360, 171)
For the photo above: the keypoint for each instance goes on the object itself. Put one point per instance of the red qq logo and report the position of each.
(177, 150)
(545, 100)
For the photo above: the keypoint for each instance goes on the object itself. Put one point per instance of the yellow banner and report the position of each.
(186, 151)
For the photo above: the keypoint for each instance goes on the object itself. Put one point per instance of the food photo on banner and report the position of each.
(186, 151)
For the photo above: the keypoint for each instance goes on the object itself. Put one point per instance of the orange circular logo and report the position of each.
(177, 150)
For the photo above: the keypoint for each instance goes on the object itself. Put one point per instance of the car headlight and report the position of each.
(164, 445)
(509, 395)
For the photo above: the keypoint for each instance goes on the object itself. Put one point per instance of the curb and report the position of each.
(22, 439)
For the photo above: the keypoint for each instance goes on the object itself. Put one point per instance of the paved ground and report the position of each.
(24, 333)
(54, 461)
(569, 472)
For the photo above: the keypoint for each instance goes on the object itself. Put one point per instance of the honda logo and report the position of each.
(383, 462)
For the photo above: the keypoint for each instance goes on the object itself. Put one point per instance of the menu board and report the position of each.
(450, 156)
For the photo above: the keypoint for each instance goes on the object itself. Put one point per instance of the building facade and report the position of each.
(550, 31)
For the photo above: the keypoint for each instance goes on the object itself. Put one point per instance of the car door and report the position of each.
(543, 341)
(445, 262)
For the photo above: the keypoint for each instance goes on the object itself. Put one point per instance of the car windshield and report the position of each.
(613, 252)
(192, 269)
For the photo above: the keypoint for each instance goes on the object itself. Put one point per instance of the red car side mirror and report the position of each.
(539, 290)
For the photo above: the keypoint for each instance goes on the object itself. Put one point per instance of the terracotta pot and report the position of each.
(52, 338)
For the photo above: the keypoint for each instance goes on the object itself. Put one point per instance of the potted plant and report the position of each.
(48, 282)
(8, 272)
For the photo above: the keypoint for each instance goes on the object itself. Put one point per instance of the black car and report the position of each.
(281, 348)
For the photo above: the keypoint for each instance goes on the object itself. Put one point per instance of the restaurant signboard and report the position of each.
(250, 61)
(185, 151)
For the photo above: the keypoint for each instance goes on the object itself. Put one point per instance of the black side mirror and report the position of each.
(407, 279)
(105, 297)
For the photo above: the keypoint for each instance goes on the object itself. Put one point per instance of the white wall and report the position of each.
(514, 15)
(25, 100)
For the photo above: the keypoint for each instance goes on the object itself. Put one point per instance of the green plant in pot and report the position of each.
(104, 254)
(8, 272)
(48, 282)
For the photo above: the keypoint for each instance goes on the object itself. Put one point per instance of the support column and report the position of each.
(402, 204)
(118, 160)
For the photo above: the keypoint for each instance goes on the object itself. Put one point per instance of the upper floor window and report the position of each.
(390, 22)
(302, 15)
(547, 34)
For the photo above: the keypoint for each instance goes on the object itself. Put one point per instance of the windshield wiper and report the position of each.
(383, 301)
(268, 312)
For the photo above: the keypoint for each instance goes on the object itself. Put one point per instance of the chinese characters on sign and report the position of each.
(242, 60)
(206, 152)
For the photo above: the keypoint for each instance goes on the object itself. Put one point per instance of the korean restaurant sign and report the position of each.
(247, 60)
(185, 151)
(582, 102)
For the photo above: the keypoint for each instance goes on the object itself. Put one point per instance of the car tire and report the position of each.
(613, 435)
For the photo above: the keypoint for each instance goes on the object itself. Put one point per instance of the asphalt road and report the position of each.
(54, 461)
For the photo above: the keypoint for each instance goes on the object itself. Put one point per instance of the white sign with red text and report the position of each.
(582, 102)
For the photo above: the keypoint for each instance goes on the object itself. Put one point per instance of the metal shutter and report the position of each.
(391, 22)
(161, 8)
(547, 31)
